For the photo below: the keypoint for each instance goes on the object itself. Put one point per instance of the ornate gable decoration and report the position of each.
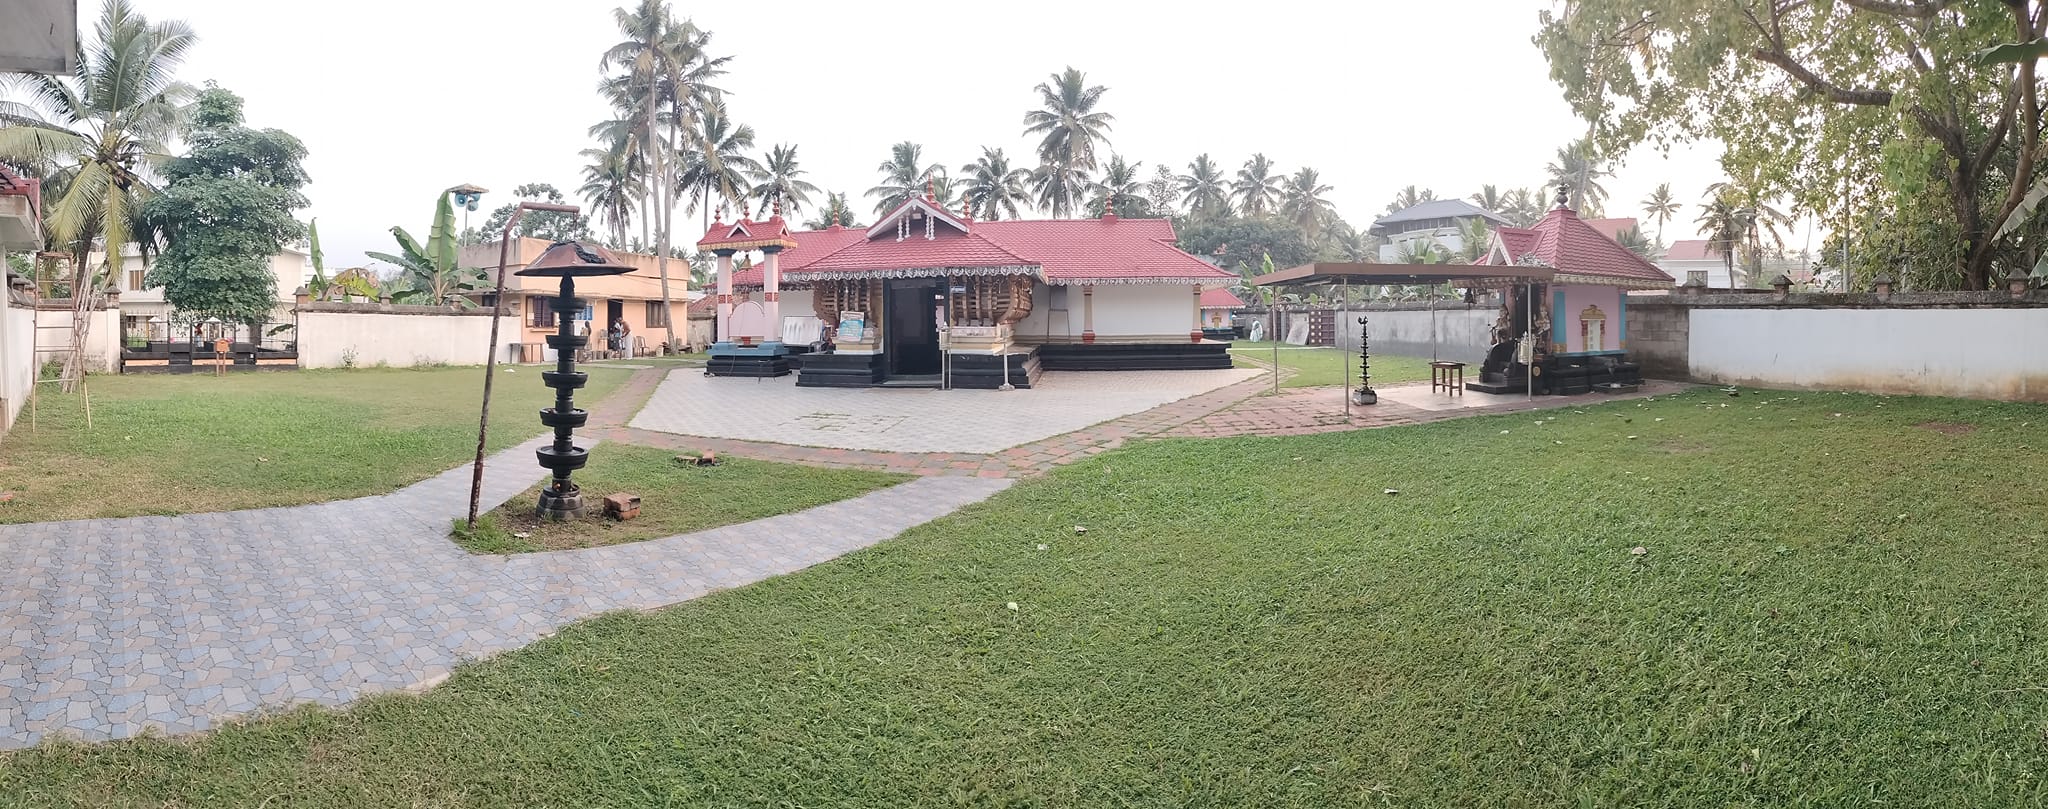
(746, 234)
(918, 216)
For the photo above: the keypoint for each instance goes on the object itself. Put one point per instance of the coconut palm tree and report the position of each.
(613, 184)
(991, 188)
(1490, 198)
(1522, 207)
(717, 166)
(1203, 189)
(776, 178)
(1409, 197)
(1632, 238)
(1421, 251)
(1301, 201)
(1726, 227)
(1579, 168)
(95, 137)
(1121, 179)
(1761, 218)
(1351, 244)
(1067, 121)
(1475, 239)
(835, 211)
(1058, 187)
(664, 69)
(905, 176)
(1256, 188)
(1659, 207)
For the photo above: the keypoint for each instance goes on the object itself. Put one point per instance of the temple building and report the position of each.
(1579, 318)
(930, 297)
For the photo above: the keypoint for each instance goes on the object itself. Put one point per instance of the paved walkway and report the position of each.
(177, 623)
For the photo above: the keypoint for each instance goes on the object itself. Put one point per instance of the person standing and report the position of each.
(620, 332)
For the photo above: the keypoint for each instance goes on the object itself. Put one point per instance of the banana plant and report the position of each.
(431, 274)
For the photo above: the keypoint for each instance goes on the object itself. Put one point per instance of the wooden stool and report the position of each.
(1440, 376)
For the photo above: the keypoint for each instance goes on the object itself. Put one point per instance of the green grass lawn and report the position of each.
(1315, 367)
(178, 444)
(1832, 610)
(674, 499)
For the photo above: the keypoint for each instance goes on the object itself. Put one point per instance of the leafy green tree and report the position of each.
(224, 212)
(1120, 178)
(991, 188)
(779, 178)
(1346, 243)
(1660, 206)
(1203, 189)
(1876, 104)
(905, 176)
(1257, 188)
(1580, 169)
(1162, 194)
(550, 225)
(1231, 241)
(1410, 197)
(1302, 202)
(1421, 251)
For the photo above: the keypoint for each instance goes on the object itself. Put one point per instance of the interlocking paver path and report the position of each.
(899, 420)
(176, 623)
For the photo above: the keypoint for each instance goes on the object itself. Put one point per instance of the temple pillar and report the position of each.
(1087, 313)
(724, 296)
(771, 284)
(1195, 334)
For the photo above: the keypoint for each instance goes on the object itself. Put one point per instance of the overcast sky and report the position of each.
(399, 100)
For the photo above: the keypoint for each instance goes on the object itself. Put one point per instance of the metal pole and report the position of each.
(1344, 360)
(483, 422)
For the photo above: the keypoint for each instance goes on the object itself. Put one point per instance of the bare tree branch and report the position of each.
(1823, 87)
(1899, 9)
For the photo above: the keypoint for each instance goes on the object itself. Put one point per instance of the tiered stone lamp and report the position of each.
(561, 499)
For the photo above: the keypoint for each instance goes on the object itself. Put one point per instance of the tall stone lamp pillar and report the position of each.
(1364, 395)
(561, 499)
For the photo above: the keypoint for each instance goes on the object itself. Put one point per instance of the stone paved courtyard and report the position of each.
(914, 420)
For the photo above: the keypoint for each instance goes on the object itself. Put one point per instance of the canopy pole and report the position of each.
(1345, 361)
(1432, 324)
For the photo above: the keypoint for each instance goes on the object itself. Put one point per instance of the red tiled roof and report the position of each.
(1066, 251)
(946, 248)
(1220, 298)
(1570, 246)
(1692, 250)
(1611, 228)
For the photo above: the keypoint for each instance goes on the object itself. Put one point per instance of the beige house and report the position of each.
(634, 298)
(145, 313)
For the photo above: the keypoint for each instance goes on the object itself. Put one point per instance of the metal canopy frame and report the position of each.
(1470, 276)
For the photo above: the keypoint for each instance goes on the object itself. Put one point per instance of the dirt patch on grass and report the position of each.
(1947, 427)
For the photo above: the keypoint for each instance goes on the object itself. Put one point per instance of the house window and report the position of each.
(657, 315)
(543, 313)
(135, 280)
